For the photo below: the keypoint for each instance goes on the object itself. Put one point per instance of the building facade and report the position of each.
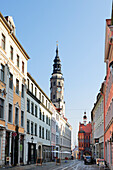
(108, 115)
(13, 75)
(38, 138)
(97, 121)
(84, 138)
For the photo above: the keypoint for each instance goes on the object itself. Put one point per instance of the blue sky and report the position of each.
(79, 27)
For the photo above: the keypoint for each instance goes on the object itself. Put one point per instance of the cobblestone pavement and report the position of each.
(70, 165)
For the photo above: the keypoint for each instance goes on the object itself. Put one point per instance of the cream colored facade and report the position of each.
(13, 74)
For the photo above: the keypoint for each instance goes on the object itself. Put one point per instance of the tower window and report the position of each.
(54, 83)
(53, 96)
(59, 83)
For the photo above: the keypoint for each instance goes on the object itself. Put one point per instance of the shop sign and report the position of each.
(14, 134)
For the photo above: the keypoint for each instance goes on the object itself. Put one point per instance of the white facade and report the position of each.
(40, 120)
(13, 74)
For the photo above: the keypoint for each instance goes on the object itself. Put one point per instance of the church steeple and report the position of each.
(57, 63)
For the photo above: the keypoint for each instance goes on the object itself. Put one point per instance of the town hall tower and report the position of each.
(57, 85)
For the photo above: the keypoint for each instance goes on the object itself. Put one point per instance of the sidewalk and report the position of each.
(33, 166)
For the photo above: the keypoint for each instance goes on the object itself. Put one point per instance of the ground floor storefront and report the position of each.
(11, 147)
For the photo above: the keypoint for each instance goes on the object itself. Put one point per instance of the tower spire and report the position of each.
(112, 14)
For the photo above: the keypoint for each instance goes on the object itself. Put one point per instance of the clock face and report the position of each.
(58, 89)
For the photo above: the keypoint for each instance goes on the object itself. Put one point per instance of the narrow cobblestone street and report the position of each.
(70, 165)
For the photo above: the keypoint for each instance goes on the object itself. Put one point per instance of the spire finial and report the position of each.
(112, 14)
(56, 48)
(57, 43)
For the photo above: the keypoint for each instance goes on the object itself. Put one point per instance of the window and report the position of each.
(28, 105)
(46, 134)
(22, 118)
(54, 83)
(32, 108)
(22, 67)
(11, 52)
(39, 131)
(39, 96)
(31, 128)
(59, 83)
(10, 114)
(3, 41)
(43, 133)
(27, 126)
(17, 86)
(43, 117)
(17, 60)
(56, 128)
(49, 121)
(40, 114)
(16, 116)
(1, 108)
(36, 110)
(35, 91)
(10, 81)
(54, 96)
(46, 103)
(32, 87)
(43, 99)
(22, 91)
(35, 129)
(2, 73)
(28, 84)
(46, 119)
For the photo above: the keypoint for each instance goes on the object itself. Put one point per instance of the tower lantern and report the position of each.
(84, 118)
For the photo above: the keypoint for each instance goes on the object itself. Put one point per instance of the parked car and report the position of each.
(87, 159)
